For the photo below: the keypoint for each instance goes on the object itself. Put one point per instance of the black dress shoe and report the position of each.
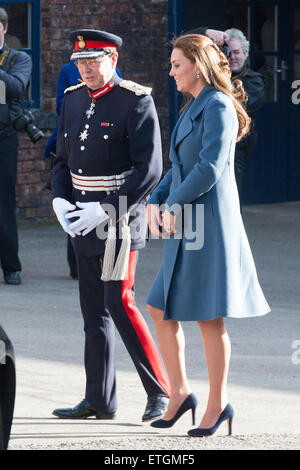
(156, 406)
(81, 411)
(12, 277)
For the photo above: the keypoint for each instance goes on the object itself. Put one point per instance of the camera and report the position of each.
(23, 120)
(226, 51)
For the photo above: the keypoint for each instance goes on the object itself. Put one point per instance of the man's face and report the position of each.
(97, 72)
(238, 56)
(2, 33)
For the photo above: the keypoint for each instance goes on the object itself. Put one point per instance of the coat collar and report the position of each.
(96, 94)
(174, 137)
(192, 112)
(201, 100)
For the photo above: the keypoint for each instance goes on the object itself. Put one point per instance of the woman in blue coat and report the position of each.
(207, 272)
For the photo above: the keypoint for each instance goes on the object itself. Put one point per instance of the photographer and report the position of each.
(254, 85)
(15, 71)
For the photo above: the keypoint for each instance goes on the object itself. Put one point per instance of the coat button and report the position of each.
(83, 193)
(80, 170)
(105, 137)
(66, 135)
(87, 126)
(82, 147)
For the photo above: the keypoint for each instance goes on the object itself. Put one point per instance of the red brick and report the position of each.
(25, 166)
(30, 213)
(28, 178)
(39, 165)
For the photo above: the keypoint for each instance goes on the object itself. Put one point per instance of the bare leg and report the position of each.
(171, 342)
(217, 351)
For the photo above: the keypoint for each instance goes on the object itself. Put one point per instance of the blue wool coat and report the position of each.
(212, 275)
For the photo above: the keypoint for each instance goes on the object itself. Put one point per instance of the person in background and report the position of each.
(15, 72)
(67, 76)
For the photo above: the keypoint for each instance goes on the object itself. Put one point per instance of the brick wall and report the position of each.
(143, 58)
(33, 200)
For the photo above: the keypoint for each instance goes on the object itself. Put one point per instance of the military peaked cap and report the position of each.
(91, 43)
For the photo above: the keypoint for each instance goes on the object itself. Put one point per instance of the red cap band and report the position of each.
(94, 45)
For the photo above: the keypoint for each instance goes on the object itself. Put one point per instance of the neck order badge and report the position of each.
(97, 94)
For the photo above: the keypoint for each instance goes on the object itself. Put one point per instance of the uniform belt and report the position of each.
(100, 183)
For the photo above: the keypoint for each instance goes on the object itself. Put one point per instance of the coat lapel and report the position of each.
(174, 138)
(183, 130)
(185, 126)
(185, 123)
(201, 101)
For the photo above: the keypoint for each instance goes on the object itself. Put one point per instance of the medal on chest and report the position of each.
(95, 95)
(84, 134)
(89, 112)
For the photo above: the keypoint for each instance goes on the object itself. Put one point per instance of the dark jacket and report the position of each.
(123, 134)
(253, 83)
(15, 71)
(67, 76)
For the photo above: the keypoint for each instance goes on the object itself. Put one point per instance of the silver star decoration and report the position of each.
(84, 135)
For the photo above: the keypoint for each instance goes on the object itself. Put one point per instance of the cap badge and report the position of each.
(81, 42)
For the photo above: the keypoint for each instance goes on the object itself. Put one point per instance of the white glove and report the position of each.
(61, 207)
(90, 215)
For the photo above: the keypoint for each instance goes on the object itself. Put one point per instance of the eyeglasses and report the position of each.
(90, 62)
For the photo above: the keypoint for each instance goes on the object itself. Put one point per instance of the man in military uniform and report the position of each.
(15, 71)
(108, 148)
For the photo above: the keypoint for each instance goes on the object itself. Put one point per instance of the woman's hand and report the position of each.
(154, 219)
(169, 221)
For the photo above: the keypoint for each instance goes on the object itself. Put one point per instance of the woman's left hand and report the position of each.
(169, 221)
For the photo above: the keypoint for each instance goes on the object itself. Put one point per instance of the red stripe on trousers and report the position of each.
(140, 326)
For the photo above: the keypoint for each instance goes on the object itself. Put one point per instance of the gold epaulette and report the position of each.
(74, 87)
(135, 87)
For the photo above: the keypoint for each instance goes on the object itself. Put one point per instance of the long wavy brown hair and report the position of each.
(214, 69)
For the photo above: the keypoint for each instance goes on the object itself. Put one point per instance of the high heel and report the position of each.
(227, 414)
(190, 403)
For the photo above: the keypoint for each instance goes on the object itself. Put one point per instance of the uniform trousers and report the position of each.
(103, 305)
(71, 257)
(8, 224)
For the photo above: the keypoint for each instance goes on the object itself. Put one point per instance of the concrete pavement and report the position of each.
(42, 318)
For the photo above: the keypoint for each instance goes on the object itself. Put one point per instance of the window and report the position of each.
(24, 34)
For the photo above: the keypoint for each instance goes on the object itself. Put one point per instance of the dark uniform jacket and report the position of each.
(15, 71)
(123, 134)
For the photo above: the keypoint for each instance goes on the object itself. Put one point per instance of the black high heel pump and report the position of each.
(227, 414)
(190, 403)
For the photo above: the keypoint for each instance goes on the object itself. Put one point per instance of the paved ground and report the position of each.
(43, 320)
